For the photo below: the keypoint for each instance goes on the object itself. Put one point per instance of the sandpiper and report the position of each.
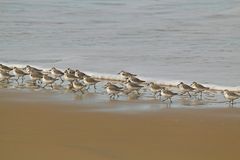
(36, 76)
(185, 88)
(57, 73)
(126, 75)
(167, 94)
(48, 80)
(70, 71)
(133, 86)
(90, 81)
(69, 77)
(155, 88)
(135, 80)
(199, 88)
(19, 73)
(5, 68)
(29, 69)
(5, 76)
(113, 90)
(79, 74)
(78, 86)
(230, 95)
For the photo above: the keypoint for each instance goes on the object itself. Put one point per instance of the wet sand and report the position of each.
(50, 130)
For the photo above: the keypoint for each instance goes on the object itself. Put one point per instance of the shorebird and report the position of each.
(48, 80)
(19, 73)
(79, 74)
(57, 73)
(90, 81)
(199, 88)
(5, 68)
(5, 76)
(155, 88)
(135, 80)
(69, 77)
(70, 71)
(78, 86)
(167, 94)
(113, 90)
(230, 95)
(36, 76)
(126, 75)
(185, 88)
(29, 69)
(133, 86)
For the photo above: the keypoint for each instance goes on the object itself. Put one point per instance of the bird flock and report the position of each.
(78, 81)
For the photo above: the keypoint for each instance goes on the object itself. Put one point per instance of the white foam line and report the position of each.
(217, 87)
(104, 76)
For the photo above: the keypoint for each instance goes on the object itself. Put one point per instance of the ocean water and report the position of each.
(161, 40)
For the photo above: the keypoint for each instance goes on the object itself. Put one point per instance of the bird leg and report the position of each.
(45, 85)
(61, 79)
(17, 79)
(22, 79)
(170, 100)
(189, 94)
(81, 91)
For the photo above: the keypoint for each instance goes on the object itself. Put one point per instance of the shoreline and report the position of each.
(100, 102)
(163, 83)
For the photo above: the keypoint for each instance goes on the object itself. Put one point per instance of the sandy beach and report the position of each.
(50, 130)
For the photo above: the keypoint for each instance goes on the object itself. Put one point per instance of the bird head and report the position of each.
(149, 84)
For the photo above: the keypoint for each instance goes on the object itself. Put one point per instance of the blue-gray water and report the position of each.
(188, 40)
